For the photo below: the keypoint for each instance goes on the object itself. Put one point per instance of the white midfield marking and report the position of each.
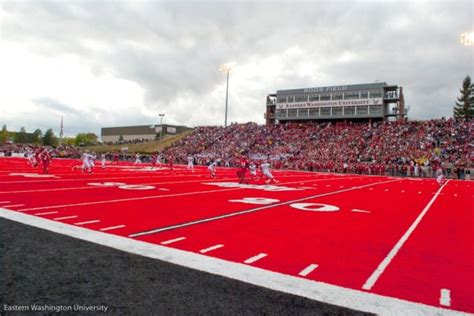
(323, 292)
(308, 269)
(88, 222)
(255, 258)
(167, 242)
(112, 227)
(45, 213)
(211, 248)
(65, 217)
(383, 265)
(445, 298)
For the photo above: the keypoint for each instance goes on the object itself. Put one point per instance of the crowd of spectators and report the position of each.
(401, 148)
(63, 151)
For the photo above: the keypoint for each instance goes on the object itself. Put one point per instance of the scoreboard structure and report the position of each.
(361, 102)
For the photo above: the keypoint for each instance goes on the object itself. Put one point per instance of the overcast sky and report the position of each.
(119, 63)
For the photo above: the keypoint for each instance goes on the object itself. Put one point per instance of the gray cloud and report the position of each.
(172, 51)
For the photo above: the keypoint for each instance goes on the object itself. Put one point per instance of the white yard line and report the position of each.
(13, 205)
(308, 269)
(111, 228)
(88, 222)
(319, 291)
(65, 217)
(167, 242)
(386, 261)
(359, 211)
(211, 248)
(46, 213)
(255, 258)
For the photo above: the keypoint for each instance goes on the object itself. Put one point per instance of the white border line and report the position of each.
(322, 292)
(386, 261)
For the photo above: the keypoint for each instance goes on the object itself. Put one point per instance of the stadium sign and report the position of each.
(325, 89)
(304, 105)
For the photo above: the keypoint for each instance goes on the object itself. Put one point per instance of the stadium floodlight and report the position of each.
(161, 115)
(467, 38)
(226, 68)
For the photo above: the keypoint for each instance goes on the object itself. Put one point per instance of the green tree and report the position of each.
(86, 139)
(49, 139)
(21, 137)
(464, 107)
(4, 134)
(37, 136)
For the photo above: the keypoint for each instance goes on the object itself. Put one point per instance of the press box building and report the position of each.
(361, 102)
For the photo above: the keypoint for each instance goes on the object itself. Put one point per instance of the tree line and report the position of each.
(46, 139)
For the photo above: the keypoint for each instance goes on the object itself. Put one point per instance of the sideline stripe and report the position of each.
(308, 269)
(65, 217)
(319, 291)
(167, 242)
(14, 205)
(158, 230)
(4, 202)
(445, 298)
(385, 262)
(88, 222)
(211, 248)
(255, 258)
(112, 227)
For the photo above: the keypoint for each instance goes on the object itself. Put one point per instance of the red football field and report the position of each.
(397, 237)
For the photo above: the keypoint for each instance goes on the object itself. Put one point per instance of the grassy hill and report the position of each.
(147, 147)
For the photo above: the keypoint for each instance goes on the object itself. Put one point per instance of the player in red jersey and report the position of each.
(115, 158)
(170, 161)
(243, 166)
(46, 160)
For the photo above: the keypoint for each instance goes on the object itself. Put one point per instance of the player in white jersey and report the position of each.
(31, 158)
(191, 163)
(86, 162)
(212, 169)
(253, 170)
(137, 159)
(102, 160)
(266, 172)
(440, 177)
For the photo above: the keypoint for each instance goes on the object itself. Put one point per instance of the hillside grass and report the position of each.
(146, 147)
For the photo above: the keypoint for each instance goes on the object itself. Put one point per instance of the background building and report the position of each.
(374, 101)
(139, 133)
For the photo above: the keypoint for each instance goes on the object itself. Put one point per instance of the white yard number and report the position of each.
(315, 207)
(122, 186)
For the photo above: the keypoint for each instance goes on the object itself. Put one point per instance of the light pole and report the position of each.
(226, 68)
(161, 115)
